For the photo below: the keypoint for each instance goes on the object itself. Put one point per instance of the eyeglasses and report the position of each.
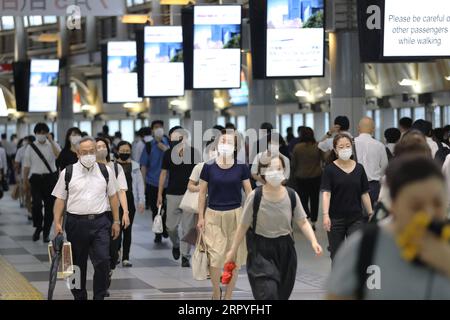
(88, 153)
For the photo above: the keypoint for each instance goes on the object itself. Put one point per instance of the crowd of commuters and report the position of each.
(247, 205)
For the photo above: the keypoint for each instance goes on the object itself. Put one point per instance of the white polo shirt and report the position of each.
(88, 192)
(31, 159)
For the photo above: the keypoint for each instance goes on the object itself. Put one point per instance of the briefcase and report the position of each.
(65, 268)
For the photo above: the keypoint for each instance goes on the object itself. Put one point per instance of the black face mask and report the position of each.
(175, 143)
(124, 156)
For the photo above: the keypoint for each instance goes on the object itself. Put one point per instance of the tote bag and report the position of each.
(157, 223)
(189, 203)
(200, 263)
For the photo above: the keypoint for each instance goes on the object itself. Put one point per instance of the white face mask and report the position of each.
(88, 161)
(159, 133)
(102, 154)
(74, 140)
(274, 178)
(41, 138)
(225, 149)
(148, 139)
(345, 154)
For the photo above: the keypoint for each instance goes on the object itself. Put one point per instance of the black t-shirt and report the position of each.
(66, 158)
(179, 173)
(346, 190)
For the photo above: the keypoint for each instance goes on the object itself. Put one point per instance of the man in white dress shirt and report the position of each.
(341, 125)
(372, 155)
(90, 189)
(39, 176)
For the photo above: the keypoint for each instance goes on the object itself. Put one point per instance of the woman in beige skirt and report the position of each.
(222, 179)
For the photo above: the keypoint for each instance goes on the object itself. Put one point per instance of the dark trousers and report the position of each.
(271, 267)
(151, 194)
(341, 229)
(125, 236)
(374, 191)
(309, 191)
(41, 196)
(90, 238)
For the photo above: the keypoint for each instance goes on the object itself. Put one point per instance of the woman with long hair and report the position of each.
(68, 154)
(345, 190)
(306, 162)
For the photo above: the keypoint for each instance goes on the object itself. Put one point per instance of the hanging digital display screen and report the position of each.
(43, 94)
(217, 47)
(163, 62)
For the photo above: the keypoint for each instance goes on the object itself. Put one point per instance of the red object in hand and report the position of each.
(228, 272)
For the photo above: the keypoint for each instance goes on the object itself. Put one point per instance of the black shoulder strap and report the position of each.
(293, 198)
(116, 169)
(354, 150)
(105, 173)
(68, 176)
(256, 204)
(389, 153)
(148, 148)
(41, 156)
(365, 257)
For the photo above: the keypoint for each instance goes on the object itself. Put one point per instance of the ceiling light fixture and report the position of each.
(370, 87)
(302, 94)
(447, 78)
(328, 91)
(135, 19)
(408, 83)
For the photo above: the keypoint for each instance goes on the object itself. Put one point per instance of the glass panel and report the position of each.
(11, 128)
(309, 121)
(8, 23)
(146, 123)
(369, 113)
(327, 121)
(35, 20)
(55, 131)
(241, 124)
(173, 122)
(137, 124)
(377, 124)
(278, 123)
(405, 112)
(127, 130)
(298, 121)
(221, 121)
(25, 22)
(437, 117)
(113, 126)
(395, 117)
(233, 120)
(286, 122)
(419, 113)
(86, 126)
(50, 19)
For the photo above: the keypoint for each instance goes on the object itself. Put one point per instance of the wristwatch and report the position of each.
(117, 222)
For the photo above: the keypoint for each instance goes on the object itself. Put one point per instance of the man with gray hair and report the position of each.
(87, 186)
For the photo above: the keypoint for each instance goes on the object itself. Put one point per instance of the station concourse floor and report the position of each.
(154, 275)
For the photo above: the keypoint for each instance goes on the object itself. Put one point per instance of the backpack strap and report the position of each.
(365, 257)
(105, 173)
(293, 198)
(256, 204)
(68, 176)
(116, 169)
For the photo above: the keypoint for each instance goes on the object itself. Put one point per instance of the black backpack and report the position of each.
(69, 172)
(441, 154)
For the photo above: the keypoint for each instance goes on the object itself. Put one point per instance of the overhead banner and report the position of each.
(62, 7)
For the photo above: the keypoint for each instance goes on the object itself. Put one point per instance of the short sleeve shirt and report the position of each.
(274, 218)
(88, 192)
(399, 279)
(195, 175)
(346, 190)
(224, 185)
(179, 173)
(120, 177)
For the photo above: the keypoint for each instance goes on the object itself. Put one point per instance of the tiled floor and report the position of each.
(154, 275)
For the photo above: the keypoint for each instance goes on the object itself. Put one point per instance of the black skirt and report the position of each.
(271, 266)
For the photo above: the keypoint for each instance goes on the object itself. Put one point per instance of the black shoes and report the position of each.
(165, 234)
(185, 262)
(46, 238)
(37, 234)
(158, 238)
(176, 253)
